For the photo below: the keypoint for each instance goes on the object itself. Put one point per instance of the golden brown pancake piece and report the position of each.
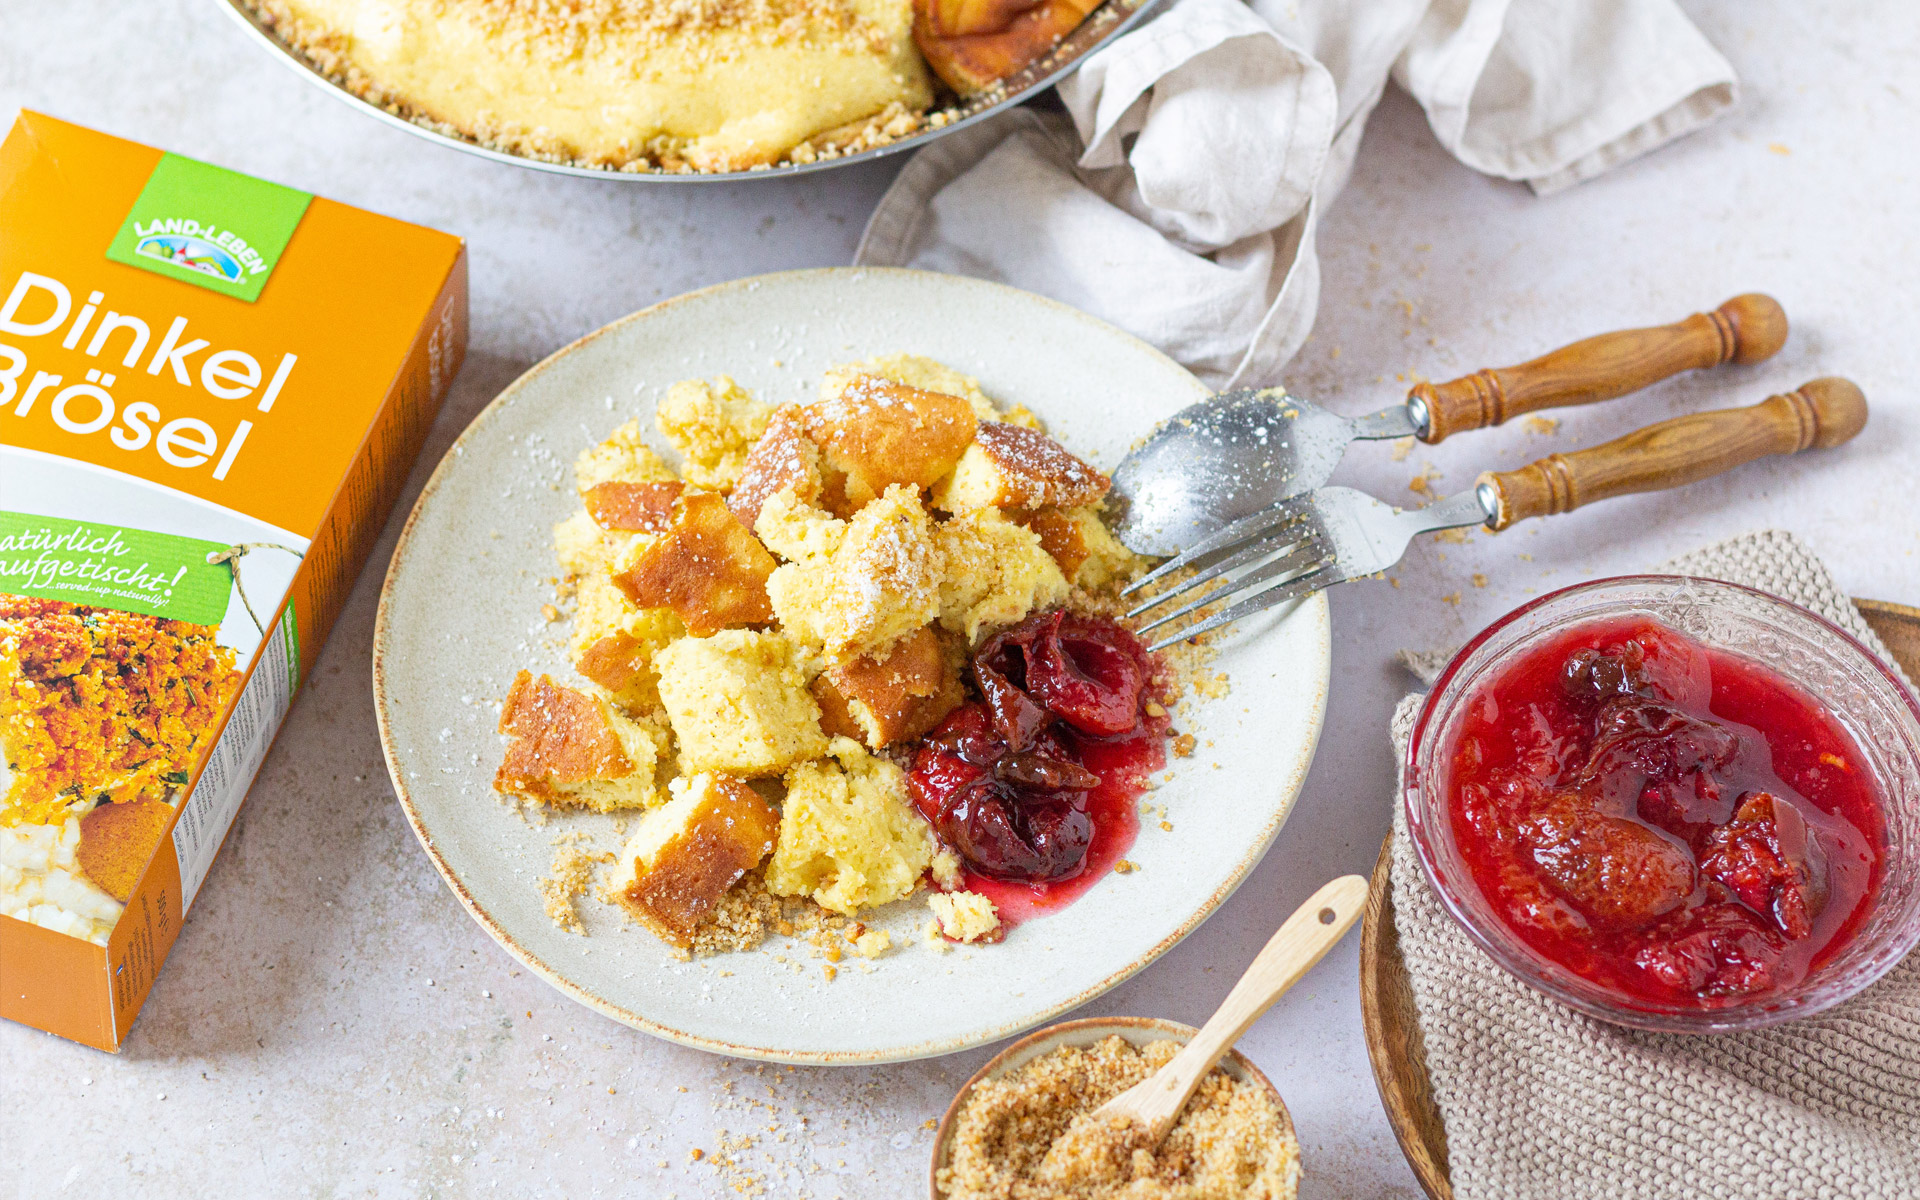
(895, 696)
(783, 458)
(560, 736)
(972, 44)
(1009, 466)
(687, 853)
(706, 567)
(614, 660)
(632, 507)
(876, 432)
(1061, 536)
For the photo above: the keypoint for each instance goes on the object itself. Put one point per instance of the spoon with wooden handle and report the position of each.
(1234, 454)
(1302, 940)
(1334, 534)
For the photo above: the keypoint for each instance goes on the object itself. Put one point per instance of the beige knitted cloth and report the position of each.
(1542, 1103)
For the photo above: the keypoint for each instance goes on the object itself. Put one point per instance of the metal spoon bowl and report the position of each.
(1229, 456)
(1081, 1033)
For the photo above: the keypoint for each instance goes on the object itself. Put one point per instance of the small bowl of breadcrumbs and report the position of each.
(1233, 1141)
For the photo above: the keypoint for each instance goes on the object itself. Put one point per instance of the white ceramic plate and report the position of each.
(461, 614)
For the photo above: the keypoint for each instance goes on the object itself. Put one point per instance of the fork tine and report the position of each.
(1303, 585)
(1299, 556)
(1245, 528)
(1310, 556)
(1252, 552)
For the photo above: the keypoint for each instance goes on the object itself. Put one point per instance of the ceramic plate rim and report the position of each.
(1315, 609)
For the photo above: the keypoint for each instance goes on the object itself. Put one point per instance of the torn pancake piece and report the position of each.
(706, 567)
(848, 838)
(689, 851)
(784, 459)
(614, 515)
(973, 44)
(617, 650)
(620, 507)
(1087, 552)
(874, 432)
(571, 749)
(996, 573)
(891, 697)
(881, 583)
(796, 531)
(917, 371)
(624, 457)
(738, 702)
(964, 916)
(713, 424)
(1009, 466)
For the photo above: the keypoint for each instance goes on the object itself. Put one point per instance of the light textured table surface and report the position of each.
(332, 1024)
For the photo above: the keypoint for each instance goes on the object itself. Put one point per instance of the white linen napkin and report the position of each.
(1177, 197)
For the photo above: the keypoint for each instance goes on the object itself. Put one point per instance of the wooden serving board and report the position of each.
(1386, 996)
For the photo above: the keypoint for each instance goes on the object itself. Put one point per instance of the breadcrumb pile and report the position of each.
(1030, 1135)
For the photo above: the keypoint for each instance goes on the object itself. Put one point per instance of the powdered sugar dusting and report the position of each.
(1043, 470)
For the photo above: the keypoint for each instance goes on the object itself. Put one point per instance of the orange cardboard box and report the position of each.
(211, 390)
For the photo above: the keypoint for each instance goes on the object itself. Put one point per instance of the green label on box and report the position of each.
(290, 641)
(208, 226)
(107, 566)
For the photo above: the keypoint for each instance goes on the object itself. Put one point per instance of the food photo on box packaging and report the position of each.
(949, 557)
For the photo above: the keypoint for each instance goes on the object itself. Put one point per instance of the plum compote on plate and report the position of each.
(1676, 823)
(1036, 784)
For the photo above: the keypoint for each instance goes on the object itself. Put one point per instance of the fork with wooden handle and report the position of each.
(1333, 534)
(1302, 940)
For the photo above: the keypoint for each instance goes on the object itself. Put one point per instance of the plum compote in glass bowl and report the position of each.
(1673, 803)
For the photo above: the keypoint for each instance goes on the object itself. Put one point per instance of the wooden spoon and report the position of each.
(1302, 940)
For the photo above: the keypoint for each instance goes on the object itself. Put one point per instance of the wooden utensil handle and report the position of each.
(1301, 941)
(1825, 412)
(1745, 329)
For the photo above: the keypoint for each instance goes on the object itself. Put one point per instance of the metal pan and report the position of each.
(1104, 24)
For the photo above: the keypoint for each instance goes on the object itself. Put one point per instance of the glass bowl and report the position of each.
(1855, 686)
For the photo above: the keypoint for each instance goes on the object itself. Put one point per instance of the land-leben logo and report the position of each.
(208, 226)
(218, 252)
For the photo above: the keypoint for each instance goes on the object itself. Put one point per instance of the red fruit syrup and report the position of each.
(1676, 823)
(1037, 785)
